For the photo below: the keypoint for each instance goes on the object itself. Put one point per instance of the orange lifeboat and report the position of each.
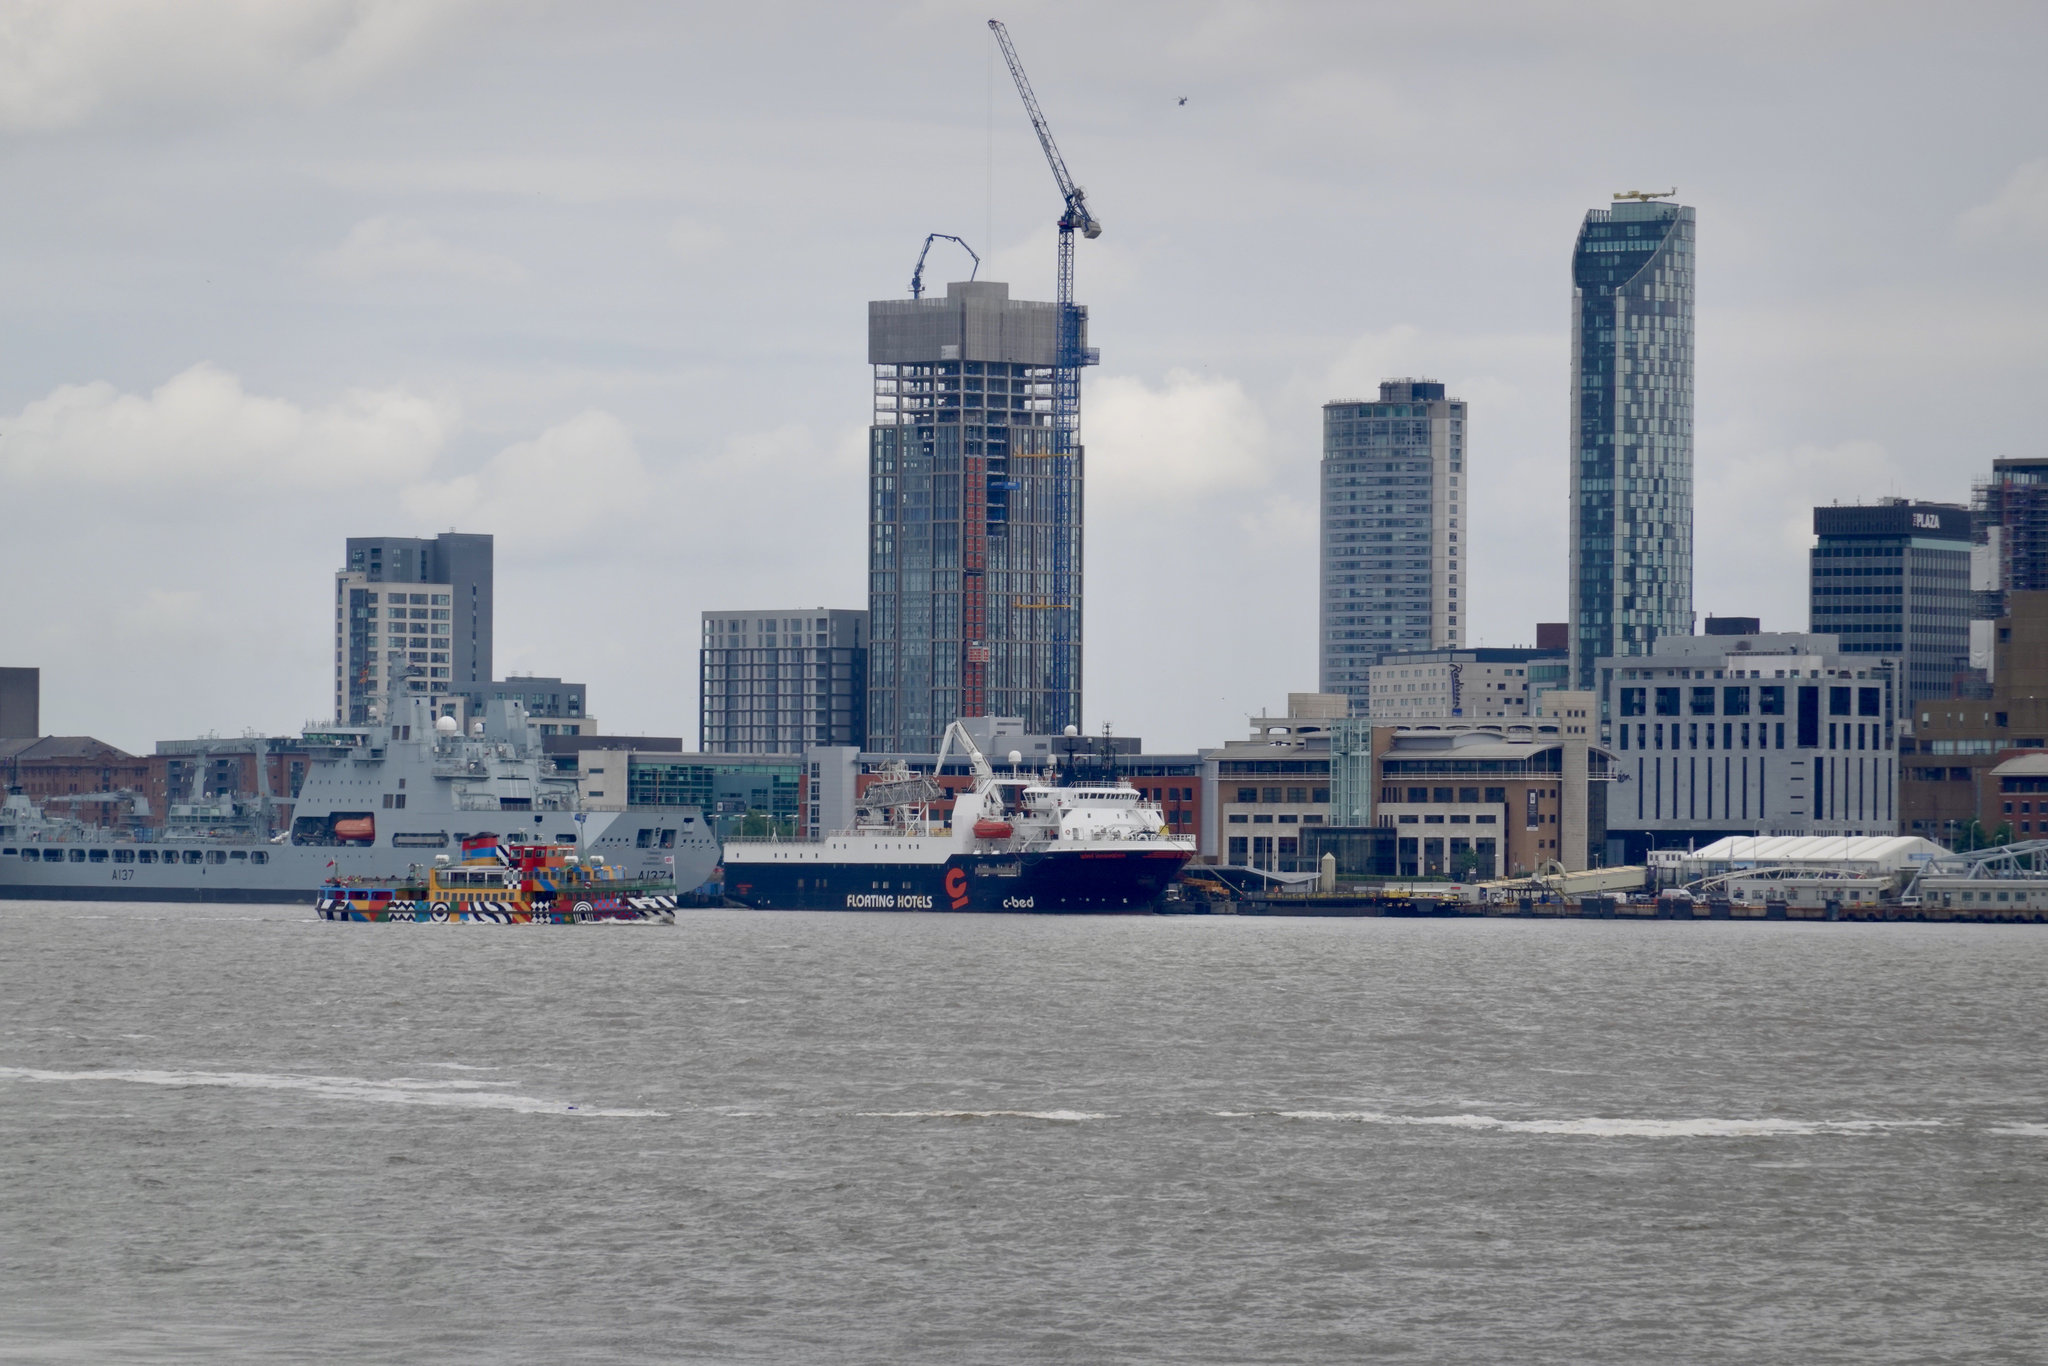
(992, 830)
(356, 828)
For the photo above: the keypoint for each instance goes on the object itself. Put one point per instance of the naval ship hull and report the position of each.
(1094, 881)
(645, 843)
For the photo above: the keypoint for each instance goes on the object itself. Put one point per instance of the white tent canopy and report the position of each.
(1871, 853)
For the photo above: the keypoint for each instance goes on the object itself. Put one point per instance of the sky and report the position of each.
(592, 277)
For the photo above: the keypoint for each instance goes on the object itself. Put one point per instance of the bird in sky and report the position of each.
(1183, 99)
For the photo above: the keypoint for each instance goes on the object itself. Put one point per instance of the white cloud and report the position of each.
(61, 63)
(556, 491)
(202, 428)
(1187, 439)
(692, 238)
(2017, 215)
(385, 246)
(1753, 518)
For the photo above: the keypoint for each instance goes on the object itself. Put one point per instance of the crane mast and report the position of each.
(1066, 395)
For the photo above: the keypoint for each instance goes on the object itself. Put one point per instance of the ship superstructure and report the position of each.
(1016, 842)
(387, 799)
(505, 884)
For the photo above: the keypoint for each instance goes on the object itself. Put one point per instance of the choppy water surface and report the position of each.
(244, 1135)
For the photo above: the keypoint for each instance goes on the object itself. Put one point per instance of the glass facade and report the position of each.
(1895, 580)
(963, 614)
(727, 793)
(1393, 481)
(1632, 426)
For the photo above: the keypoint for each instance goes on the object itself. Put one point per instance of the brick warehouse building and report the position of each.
(1945, 765)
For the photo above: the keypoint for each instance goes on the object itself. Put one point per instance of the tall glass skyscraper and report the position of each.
(1631, 548)
(965, 528)
(1393, 490)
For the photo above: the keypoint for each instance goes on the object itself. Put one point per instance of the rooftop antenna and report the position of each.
(1645, 196)
(917, 275)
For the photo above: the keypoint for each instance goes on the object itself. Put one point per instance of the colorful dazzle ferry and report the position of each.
(506, 884)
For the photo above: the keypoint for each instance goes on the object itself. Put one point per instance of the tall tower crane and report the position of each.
(1066, 395)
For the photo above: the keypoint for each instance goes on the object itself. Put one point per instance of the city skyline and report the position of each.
(612, 317)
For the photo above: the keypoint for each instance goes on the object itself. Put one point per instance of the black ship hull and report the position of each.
(1091, 882)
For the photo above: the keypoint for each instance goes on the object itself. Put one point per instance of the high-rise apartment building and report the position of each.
(412, 618)
(21, 702)
(974, 551)
(783, 682)
(1894, 580)
(1394, 484)
(1632, 419)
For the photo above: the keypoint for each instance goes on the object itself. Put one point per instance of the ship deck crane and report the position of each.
(1066, 390)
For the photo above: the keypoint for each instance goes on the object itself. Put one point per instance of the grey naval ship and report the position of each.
(387, 801)
(1015, 842)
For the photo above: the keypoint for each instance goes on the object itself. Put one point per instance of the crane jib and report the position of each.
(1066, 395)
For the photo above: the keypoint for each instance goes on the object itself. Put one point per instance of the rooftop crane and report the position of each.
(1066, 390)
(917, 275)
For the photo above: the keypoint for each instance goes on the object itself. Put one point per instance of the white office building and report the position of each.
(1771, 733)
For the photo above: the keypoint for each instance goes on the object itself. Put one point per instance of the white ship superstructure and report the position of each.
(1022, 842)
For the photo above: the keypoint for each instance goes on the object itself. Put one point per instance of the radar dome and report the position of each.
(1073, 730)
(447, 725)
(1016, 758)
(476, 728)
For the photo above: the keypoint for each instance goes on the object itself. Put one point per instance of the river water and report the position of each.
(241, 1134)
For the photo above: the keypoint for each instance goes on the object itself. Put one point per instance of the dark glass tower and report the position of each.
(1895, 580)
(1631, 477)
(964, 616)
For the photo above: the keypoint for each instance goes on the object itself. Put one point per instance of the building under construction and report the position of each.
(2011, 520)
(974, 545)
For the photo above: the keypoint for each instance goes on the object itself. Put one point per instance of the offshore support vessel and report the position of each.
(1014, 843)
(505, 884)
(376, 801)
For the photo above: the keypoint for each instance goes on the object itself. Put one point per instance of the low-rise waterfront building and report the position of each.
(1476, 799)
(1259, 793)
(1765, 733)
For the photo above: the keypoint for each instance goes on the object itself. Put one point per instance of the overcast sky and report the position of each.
(592, 277)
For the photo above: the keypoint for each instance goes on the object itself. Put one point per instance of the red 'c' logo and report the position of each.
(956, 887)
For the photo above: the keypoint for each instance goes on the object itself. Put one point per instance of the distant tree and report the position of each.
(760, 825)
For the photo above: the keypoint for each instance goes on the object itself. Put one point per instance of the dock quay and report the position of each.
(1608, 908)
